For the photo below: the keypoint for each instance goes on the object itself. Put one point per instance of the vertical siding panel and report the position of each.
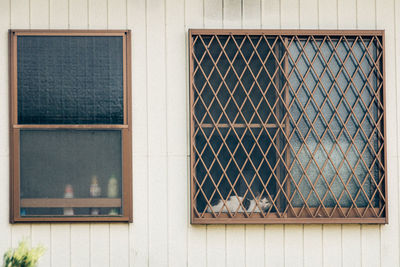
(328, 18)
(328, 10)
(347, 14)
(370, 249)
(97, 14)
(194, 15)
(235, 246)
(139, 229)
(216, 246)
(177, 211)
(176, 78)
(158, 212)
(197, 246)
(232, 14)
(313, 245)
(251, 13)
(5, 228)
(20, 232)
(40, 14)
(156, 78)
(4, 122)
(255, 247)
(366, 14)
(197, 234)
(332, 245)
(213, 13)
(309, 14)
(385, 20)
(351, 249)
(20, 14)
(158, 198)
(274, 246)
(137, 23)
(271, 16)
(388, 19)
(396, 159)
(80, 245)
(99, 244)
(294, 245)
(119, 245)
(41, 234)
(60, 245)
(117, 14)
(59, 14)
(78, 14)
(290, 14)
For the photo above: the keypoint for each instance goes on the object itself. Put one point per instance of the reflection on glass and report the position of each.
(334, 116)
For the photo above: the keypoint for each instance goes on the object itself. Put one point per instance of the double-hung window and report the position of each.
(287, 126)
(70, 126)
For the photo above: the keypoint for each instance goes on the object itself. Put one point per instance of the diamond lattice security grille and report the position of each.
(287, 127)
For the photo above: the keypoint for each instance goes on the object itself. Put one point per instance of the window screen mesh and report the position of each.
(51, 160)
(287, 126)
(70, 80)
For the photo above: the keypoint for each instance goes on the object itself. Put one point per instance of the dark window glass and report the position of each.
(77, 164)
(70, 80)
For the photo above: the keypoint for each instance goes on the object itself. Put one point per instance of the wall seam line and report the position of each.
(166, 129)
(69, 23)
(341, 243)
(70, 246)
(206, 245)
(284, 244)
(280, 14)
(260, 20)
(30, 15)
(87, 13)
(147, 130)
(109, 245)
(322, 242)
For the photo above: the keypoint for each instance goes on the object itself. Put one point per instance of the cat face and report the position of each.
(264, 204)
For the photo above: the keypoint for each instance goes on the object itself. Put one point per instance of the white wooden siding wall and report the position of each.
(161, 234)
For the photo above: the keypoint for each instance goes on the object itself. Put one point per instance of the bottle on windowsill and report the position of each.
(69, 193)
(95, 191)
(112, 192)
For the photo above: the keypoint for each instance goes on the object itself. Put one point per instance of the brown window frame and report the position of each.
(125, 128)
(290, 214)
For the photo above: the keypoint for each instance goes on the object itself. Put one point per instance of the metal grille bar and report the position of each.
(287, 127)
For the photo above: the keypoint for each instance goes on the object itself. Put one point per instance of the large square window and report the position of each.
(287, 126)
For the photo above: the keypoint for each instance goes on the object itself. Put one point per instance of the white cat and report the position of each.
(233, 204)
